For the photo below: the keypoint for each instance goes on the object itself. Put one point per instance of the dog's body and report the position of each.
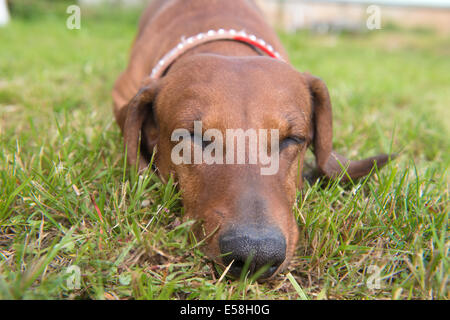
(228, 84)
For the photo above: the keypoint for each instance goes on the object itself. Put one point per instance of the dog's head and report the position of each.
(243, 197)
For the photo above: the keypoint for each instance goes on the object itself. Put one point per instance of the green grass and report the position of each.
(60, 146)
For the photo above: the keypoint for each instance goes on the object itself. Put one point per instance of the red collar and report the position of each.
(211, 35)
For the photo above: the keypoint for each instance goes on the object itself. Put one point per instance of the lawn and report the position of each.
(69, 203)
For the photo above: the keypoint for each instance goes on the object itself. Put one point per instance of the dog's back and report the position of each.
(165, 22)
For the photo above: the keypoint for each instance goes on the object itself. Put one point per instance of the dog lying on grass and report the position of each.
(198, 69)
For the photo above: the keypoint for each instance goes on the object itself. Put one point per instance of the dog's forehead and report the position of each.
(224, 70)
(207, 84)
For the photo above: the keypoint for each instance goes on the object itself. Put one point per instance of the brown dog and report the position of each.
(228, 84)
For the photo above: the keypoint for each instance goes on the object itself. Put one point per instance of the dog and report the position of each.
(220, 63)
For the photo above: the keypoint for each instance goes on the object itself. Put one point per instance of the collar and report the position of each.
(211, 35)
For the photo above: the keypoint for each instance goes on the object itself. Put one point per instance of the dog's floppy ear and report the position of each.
(329, 162)
(132, 118)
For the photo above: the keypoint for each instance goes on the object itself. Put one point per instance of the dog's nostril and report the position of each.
(252, 248)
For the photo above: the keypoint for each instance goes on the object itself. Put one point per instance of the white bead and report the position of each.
(232, 32)
(190, 40)
(262, 42)
(211, 32)
(171, 53)
(252, 37)
(221, 31)
(270, 48)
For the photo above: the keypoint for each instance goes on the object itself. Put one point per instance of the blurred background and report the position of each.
(321, 15)
(326, 15)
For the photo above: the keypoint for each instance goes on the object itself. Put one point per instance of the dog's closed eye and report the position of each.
(291, 141)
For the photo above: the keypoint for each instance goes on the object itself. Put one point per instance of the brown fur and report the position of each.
(225, 84)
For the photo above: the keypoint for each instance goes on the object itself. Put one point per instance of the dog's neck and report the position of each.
(201, 40)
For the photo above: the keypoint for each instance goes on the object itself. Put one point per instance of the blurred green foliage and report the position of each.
(32, 9)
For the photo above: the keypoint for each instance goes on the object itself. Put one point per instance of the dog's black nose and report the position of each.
(255, 247)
